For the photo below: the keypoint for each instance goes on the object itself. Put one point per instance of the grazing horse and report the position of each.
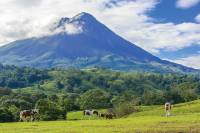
(168, 108)
(95, 112)
(35, 114)
(90, 112)
(110, 115)
(103, 115)
(107, 115)
(31, 114)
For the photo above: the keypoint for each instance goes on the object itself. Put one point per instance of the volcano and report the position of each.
(83, 42)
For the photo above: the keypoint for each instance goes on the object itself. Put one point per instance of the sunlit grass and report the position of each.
(151, 119)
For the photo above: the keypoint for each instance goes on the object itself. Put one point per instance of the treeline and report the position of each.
(15, 77)
(56, 92)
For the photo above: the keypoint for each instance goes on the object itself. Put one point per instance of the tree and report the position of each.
(50, 110)
(59, 85)
(95, 98)
(5, 91)
(15, 112)
(6, 115)
(69, 102)
(152, 98)
(125, 108)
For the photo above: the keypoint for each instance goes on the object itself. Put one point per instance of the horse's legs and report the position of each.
(31, 118)
(83, 116)
(24, 119)
(20, 120)
(28, 119)
(167, 113)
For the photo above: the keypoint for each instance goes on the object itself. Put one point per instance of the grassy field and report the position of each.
(185, 119)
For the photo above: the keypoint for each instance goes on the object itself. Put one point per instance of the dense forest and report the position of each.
(56, 91)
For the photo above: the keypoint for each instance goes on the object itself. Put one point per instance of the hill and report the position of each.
(84, 42)
(57, 91)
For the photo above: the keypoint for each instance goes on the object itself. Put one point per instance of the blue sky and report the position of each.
(169, 29)
(167, 11)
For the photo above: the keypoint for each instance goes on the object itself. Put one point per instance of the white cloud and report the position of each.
(28, 3)
(191, 61)
(72, 28)
(184, 4)
(197, 18)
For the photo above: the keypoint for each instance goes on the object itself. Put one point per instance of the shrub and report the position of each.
(50, 110)
(6, 115)
(94, 99)
(124, 109)
(15, 112)
(53, 114)
(5, 91)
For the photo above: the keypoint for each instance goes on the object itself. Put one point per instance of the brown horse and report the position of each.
(31, 114)
(103, 115)
(107, 115)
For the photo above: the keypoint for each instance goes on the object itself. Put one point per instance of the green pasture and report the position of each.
(185, 119)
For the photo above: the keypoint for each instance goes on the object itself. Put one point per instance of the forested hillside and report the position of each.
(57, 91)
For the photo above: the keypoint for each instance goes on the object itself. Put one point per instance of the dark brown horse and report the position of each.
(107, 115)
(102, 115)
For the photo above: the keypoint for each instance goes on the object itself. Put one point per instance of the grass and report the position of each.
(78, 115)
(151, 119)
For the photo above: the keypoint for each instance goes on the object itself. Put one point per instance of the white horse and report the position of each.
(168, 108)
(90, 112)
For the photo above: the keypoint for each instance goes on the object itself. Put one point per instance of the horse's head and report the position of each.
(35, 111)
(95, 112)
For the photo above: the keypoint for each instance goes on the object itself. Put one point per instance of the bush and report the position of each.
(94, 99)
(15, 112)
(53, 114)
(6, 115)
(124, 109)
(5, 91)
(50, 110)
